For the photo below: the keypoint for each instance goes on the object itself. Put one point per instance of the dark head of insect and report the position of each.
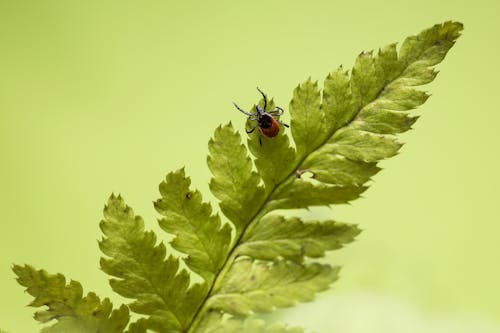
(267, 121)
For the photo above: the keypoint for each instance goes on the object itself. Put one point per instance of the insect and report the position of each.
(267, 121)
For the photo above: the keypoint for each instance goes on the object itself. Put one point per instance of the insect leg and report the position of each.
(282, 123)
(265, 99)
(258, 132)
(277, 111)
(250, 131)
(242, 111)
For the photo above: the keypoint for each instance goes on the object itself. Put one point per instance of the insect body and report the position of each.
(267, 121)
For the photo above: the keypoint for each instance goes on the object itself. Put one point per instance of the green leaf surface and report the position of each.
(361, 146)
(143, 272)
(308, 122)
(291, 238)
(234, 182)
(338, 105)
(366, 79)
(66, 304)
(302, 193)
(199, 234)
(253, 287)
(347, 172)
(383, 121)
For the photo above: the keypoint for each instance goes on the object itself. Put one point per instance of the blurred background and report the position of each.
(108, 96)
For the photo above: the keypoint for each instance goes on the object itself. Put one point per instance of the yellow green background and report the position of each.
(108, 96)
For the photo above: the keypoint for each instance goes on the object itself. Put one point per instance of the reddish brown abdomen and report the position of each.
(272, 130)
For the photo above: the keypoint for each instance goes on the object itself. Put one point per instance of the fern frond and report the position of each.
(339, 136)
(66, 304)
(258, 261)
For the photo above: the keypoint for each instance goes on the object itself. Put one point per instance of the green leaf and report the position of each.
(383, 121)
(292, 239)
(66, 304)
(366, 79)
(263, 286)
(308, 122)
(198, 233)
(338, 104)
(142, 272)
(361, 146)
(234, 182)
(302, 193)
(347, 172)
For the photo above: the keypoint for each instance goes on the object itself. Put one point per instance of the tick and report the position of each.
(267, 121)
